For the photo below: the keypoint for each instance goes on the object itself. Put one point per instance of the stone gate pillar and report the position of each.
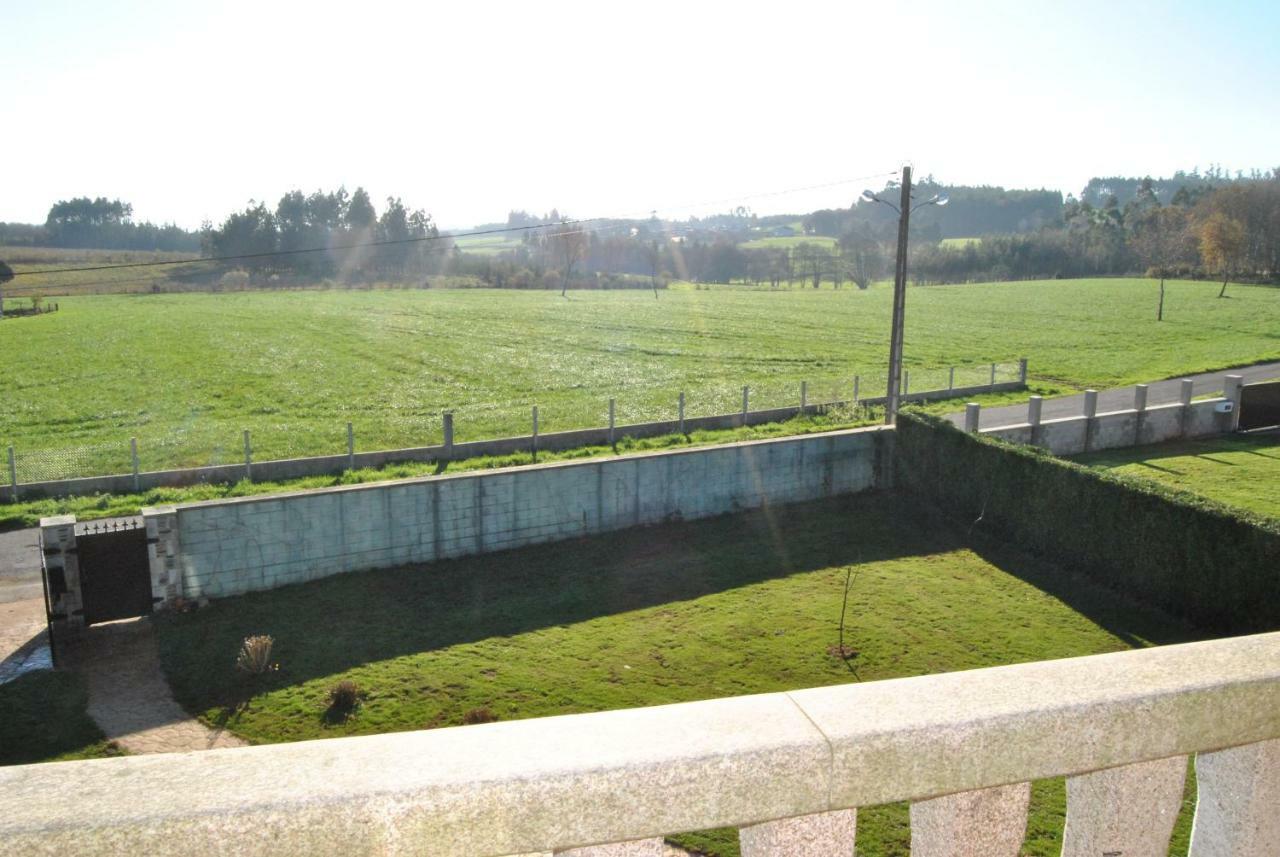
(162, 554)
(62, 571)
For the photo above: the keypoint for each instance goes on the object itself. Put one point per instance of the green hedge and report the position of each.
(1214, 565)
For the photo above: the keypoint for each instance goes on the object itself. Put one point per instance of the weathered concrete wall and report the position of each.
(1076, 435)
(226, 547)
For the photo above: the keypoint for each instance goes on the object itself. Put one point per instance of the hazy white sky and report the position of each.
(188, 110)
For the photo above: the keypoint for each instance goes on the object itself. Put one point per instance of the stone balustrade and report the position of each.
(788, 769)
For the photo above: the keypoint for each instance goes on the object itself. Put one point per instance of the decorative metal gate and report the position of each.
(1260, 405)
(115, 576)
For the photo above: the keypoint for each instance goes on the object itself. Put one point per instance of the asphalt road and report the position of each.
(1121, 398)
(20, 566)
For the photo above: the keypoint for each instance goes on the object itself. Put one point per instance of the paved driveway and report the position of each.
(20, 566)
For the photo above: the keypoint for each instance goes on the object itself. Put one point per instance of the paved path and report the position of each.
(20, 565)
(129, 698)
(1121, 398)
(24, 642)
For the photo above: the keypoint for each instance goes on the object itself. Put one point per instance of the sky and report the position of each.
(469, 110)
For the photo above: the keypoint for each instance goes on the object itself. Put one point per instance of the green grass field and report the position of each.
(787, 242)
(1239, 470)
(959, 243)
(187, 373)
(32, 260)
(488, 245)
(727, 606)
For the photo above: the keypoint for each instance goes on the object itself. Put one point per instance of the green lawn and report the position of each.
(1239, 470)
(43, 719)
(788, 242)
(959, 243)
(187, 373)
(489, 245)
(733, 605)
(29, 261)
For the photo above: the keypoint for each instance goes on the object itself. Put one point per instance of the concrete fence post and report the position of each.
(804, 396)
(534, 446)
(133, 459)
(1185, 391)
(448, 434)
(680, 407)
(351, 447)
(1090, 403)
(1034, 405)
(906, 382)
(248, 457)
(951, 378)
(611, 421)
(13, 475)
(746, 403)
(1090, 416)
(1022, 371)
(856, 383)
(1140, 407)
(993, 375)
(972, 412)
(1233, 391)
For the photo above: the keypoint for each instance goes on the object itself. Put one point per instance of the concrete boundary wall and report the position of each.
(227, 547)
(296, 468)
(1138, 426)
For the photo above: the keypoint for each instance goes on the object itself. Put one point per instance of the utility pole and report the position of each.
(899, 303)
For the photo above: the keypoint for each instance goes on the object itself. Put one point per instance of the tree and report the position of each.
(653, 255)
(568, 243)
(6, 274)
(360, 215)
(1160, 240)
(1222, 241)
(863, 258)
(251, 232)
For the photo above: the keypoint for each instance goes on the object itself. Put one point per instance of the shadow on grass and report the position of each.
(329, 626)
(43, 717)
(1202, 449)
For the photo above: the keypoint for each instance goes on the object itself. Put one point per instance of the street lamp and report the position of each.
(900, 287)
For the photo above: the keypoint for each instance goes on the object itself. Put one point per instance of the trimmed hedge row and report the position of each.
(1214, 565)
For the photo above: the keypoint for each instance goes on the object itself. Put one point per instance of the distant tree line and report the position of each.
(1194, 224)
(970, 211)
(101, 223)
(1231, 231)
(329, 235)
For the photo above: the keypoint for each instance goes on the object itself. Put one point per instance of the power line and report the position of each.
(437, 237)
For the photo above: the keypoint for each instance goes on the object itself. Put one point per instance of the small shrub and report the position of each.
(236, 279)
(255, 655)
(344, 697)
(344, 694)
(479, 715)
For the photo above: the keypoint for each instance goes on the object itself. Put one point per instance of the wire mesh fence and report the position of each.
(206, 443)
